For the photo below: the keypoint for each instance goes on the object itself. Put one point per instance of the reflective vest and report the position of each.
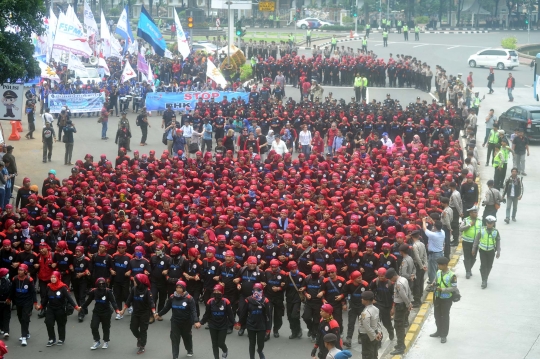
(334, 41)
(505, 151)
(385, 34)
(270, 17)
(364, 42)
(365, 82)
(368, 26)
(497, 160)
(405, 28)
(308, 33)
(399, 23)
(291, 38)
(443, 281)
(358, 81)
(494, 137)
(416, 29)
(487, 240)
(470, 234)
(476, 102)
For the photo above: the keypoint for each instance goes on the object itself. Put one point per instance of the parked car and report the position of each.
(526, 117)
(499, 58)
(204, 46)
(311, 23)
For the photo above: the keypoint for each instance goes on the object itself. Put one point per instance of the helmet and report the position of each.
(491, 219)
(182, 284)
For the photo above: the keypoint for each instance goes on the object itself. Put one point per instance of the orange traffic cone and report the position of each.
(19, 126)
(351, 35)
(14, 133)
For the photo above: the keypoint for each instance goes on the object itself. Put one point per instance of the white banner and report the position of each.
(215, 74)
(128, 73)
(51, 31)
(48, 72)
(102, 63)
(183, 46)
(90, 20)
(13, 101)
(71, 37)
(105, 36)
(75, 64)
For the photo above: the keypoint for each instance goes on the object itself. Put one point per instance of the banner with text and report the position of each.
(77, 103)
(158, 101)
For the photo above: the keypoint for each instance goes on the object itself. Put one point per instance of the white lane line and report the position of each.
(420, 45)
(433, 96)
(379, 45)
(453, 47)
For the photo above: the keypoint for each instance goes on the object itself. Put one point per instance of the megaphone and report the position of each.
(94, 61)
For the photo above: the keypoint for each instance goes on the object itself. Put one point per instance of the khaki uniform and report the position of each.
(368, 328)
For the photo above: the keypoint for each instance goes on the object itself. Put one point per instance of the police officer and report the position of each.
(385, 38)
(488, 240)
(402, 306)
(446, 288)
(369, 320)
(469, 228)
(406, 32)
(416, 33)
(184, 315)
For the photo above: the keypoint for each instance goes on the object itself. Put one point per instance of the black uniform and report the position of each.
(256, 317)
(220, 317)
(142, 302)
(55, 302)
(102, 312)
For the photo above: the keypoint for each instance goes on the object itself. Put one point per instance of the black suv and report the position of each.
(526, 117)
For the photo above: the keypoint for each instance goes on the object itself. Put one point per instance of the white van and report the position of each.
(92, 74)
(499, 58)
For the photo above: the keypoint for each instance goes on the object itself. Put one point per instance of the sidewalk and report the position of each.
(502, 320)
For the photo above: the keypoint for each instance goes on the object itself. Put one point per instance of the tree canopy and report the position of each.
(18, 19)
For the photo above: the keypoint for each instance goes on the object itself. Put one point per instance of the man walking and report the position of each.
(510, 84)
(488, 240)
(513, 191)
(470, 226)
(520, 145)
(69, 130)
(457, 212)
(402, 306)
(368, 321)
(421, 263)
(446, 288)
(47, 137)
(492, 201)
(491, 80)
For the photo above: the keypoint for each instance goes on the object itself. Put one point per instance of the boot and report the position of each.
(41, 314)
(81, 318)
(347, 343)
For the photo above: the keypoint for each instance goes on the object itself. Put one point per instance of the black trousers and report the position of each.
(386, 319)
(218, 341)
(499, 176)
(418, 286)
(277, 311)
(47, 150)
(353, 315)
(233, 298)
(121, 292)
(358, 93)
(293, 314)
(23, 313)
(144, 130)
(79, 291)
(105, 320)
(43, 289)
(207, 144)
(490, 149)
(489, 210)
(312, 317)
(59, 317)
(486, 263)
(401, 314)
(442, 315)
(181, 331)
(139, 327)
(468, 258)
(31, 129)
(195, 289)
(446, 242)
(159, 292)
(5, 317)
(338, 315)
(256, 337)
(369, 347)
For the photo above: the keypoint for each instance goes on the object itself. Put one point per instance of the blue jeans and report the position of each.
(3, 197)
(432, 265)
(510, 97)
(306, 150)
(104, 125)
(511, 205)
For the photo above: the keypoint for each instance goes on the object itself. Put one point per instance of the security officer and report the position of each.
(369, 333)
(308, 37)
(402, 306)
(406, 32)
(364, 45)
(385, 38)
(446, 288)
(491, 201)
(469, 228)
(488, 240)
(368, 29)
(416, 33)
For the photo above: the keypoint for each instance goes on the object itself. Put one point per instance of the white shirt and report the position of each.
(188, 131)
(305, 138)
(47, 117)
(280, 148)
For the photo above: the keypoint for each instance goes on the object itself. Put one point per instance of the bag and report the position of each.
(164, 138)
(193, 147)
(69, 308)
(456, 296)
(496, 205)
(100, 119)
(300, 294)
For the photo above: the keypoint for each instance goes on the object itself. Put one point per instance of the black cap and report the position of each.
(404, 248)
(442, 260)
(390, 273)
(10, 94)
(415, 233)
(330, 338)
(9, 148)
(368, 295)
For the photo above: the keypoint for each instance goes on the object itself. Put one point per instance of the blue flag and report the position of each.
(150, 33)
(123, 29)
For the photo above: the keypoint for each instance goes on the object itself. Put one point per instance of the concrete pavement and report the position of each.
(502, 320)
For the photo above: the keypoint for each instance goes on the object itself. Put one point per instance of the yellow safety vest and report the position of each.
(405, 28)
(270, 17)
(506, 154)
(334, 41)
(496, 161)
(385, 34)
(470, 233)
(308, 33)
(368, 26)
(358, 81)
(487, 240)
(444, 282)
(476, 102)
(365, 81)
(399, 23)
(364, 42)
(416, 29)
(494, 137)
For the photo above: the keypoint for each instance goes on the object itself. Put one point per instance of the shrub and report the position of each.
(509, 43)
(421, 20)
(246, 72)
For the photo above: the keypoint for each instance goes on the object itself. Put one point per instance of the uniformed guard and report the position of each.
(308, 37)
(368, 29)
(364, 45)
(446, 288)
(417, 33)
(369, 331)
(402, 306)
(406, 32)
(385, 38)
(469, 228)
(488, 240)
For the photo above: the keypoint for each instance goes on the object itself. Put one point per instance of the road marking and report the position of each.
(420, 45)
(374, 88)
(453, 47)
(433, 96)
(379, 45)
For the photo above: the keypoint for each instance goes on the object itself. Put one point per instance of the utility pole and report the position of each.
(356, 19)
(387, 11)
(380, 13)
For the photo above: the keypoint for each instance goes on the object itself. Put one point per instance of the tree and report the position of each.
(18, 20)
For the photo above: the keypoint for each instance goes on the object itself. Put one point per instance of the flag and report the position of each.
(183, 46)
(151, 78)
(105, 36)
(150, 32)
(128, 73)
(123, 28)
(116, 48)
(142, 65)
(134, 47)
(215, 74)
(47, 72)
(89, 20)
(71, 37)
(168, 54)
(103, 63)
(75, 64)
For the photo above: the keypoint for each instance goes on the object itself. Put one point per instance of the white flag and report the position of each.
(183, 46)
(133, 48)
(90, 20)
(128, 73)
(105, 36)
(168, 54)
(116, 48)
(151, 78)
(47, 72)
(102, 63)
(215, 74)
(71, 37)
(75, 64)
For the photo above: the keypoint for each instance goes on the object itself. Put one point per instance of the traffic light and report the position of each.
(354, 11)
(526, 21)
(190, 22)
(238, 28)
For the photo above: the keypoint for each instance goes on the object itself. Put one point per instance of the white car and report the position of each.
(311, 23)
(499, 58)
(91, 74)
(204, 46)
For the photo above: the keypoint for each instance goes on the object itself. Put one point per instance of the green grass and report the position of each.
(268, 36)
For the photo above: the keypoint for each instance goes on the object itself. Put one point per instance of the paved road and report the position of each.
(502, 320)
